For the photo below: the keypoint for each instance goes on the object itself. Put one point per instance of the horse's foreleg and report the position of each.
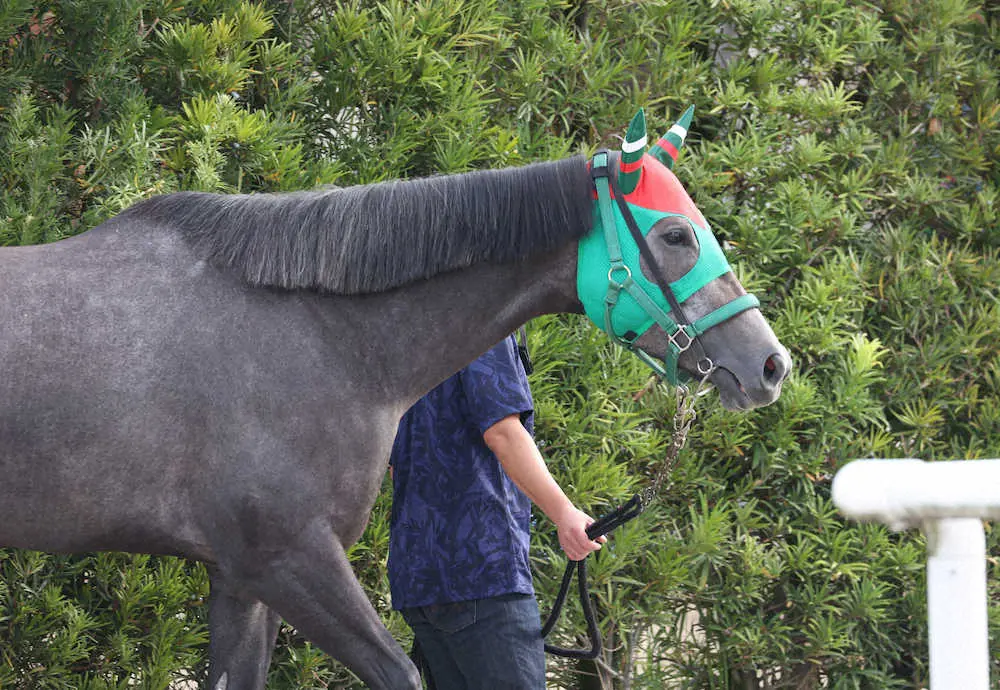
(312, 586)
(242, 632)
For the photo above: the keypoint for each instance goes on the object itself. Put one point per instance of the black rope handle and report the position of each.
(593, 631)
(616, 518)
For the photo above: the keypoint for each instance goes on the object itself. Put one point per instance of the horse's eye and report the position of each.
(674, 237)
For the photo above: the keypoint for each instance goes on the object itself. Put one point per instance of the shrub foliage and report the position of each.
(845, 152)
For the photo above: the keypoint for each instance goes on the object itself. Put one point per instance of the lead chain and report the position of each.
(684, 417)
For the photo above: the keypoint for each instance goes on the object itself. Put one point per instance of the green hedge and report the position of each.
(845, 152)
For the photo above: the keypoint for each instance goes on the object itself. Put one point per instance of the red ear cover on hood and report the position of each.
(660, 190)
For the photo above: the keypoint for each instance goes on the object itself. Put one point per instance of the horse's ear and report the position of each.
(667, 148)
(634, 146)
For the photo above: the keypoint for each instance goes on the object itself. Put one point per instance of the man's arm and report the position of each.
(519, 456)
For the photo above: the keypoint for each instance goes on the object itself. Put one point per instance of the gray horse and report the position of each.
(220, 377)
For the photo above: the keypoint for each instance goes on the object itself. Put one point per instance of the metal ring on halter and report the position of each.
(704, 386)
(622, 267)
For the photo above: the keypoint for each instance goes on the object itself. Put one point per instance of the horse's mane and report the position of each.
(376, 237)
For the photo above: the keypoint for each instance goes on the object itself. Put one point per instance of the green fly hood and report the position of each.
(615, 293)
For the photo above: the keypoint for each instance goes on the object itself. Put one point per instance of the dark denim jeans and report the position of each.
(482, 644)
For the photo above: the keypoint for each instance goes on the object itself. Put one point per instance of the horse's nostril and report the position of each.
(776, 368)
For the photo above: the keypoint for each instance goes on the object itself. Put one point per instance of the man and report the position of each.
(464, 468)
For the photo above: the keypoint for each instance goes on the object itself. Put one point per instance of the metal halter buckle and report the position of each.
(673, 339)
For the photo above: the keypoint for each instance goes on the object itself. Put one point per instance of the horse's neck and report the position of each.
(435, 327)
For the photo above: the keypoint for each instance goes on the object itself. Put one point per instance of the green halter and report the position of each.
(632, 303)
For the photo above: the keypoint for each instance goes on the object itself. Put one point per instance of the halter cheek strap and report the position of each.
(681, 334)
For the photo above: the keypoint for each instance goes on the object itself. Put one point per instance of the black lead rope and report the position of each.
(683, 418)
(616, 518)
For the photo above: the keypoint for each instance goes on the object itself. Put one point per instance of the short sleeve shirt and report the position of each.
(459, 525)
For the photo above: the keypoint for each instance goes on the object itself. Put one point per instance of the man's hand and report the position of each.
(572, 527)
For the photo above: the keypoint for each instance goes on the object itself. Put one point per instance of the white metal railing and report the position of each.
(948, 501)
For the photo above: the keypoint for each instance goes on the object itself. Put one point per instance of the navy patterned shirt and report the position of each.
(459, 525)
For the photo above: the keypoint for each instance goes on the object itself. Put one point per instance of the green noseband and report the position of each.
(618, 297)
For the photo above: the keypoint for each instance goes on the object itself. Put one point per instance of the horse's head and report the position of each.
(653, 276)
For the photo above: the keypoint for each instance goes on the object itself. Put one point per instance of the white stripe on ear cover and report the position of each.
(633, 146)
(679, 131)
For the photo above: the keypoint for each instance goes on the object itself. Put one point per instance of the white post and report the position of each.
(948, 500)
(956, 604)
